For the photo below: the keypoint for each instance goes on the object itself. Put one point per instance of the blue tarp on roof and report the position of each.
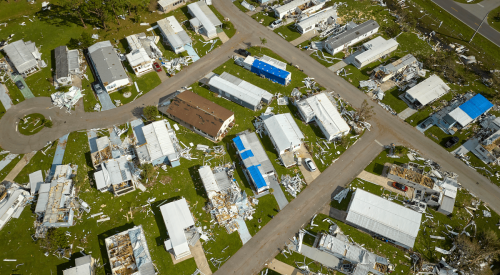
(247, 154)
(476, 106)
(257, 177)
(239, 143)
(270, 72)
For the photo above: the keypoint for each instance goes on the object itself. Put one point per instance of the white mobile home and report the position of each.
(24, 56)
(320, 109)
(375, 49)
(107, 66)
(427, 91)
(386, 72)
(140, 61)
(174, 34)
(351, 36)
(328, 15)
(170, 5)
(177, 218)
(205, 22)
(285, 136)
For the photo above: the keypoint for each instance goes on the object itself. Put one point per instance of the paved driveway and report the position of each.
(106, 103)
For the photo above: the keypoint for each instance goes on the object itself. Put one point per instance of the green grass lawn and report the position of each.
(437, 135)
(14, 93)
(145, 82)
(289, 32)
(39, 161)
(391, 98)
(325, 53)
(264, 18)
(476, 162)
(419, 116)
(2, 110)
(494, 18)
(377, 165)
(31, 124)
(6, 170)
(296, 260)
(89, 96)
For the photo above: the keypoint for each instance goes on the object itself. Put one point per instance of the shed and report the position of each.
(382, 217)
(177, 218)
(375, 49)
(427, 91)
(321, 109)
(350, 36)
(36, 179)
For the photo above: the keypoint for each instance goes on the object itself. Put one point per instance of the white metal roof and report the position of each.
(100, 181)
(36, 179)
(326, 114)
(158, 140)
(375, 47)
(318, 17)
(177, 217)
(107, 63)
(116, 171)
(22, 56)
(284, 131)
(133, 42)
(174, 32)
(85, 269)
(351, 34)
(234, 90)
(204, 16)
(138, 57)
(208, 179)
(273, 62)
(460, 116)
(165, 3)
(290, 5)
(267, 96)
(73, 60)
(428, 90)
(384, 217)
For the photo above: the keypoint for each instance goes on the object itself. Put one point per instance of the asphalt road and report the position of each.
(461, 12)
(264, 245)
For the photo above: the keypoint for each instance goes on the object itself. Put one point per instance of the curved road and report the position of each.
(264, 245)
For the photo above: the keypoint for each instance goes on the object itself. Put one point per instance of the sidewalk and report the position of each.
(19, 166)
(283, 268)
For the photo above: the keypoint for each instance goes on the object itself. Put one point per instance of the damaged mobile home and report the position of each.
(180, 225)
(298, 7)
(427, 91)
(321, 109)
(173, 34)
(352, 35)
(239, 91)
(128, 253)
(328, 15)
(384, 73)
(24, 56)
(56, 202)
(170, 5)
(12, 201)
(67, 64)
(200, 115)
(227, 202)
(157, 145)
(373, 50)
(285, 136)
(85, 265)
(380, 217)
(257, 167)
(267, 67)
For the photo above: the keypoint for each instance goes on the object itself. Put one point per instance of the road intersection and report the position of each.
(264, 245)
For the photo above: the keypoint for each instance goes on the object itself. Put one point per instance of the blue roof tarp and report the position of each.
(247, 154)
(270, 72)
(257, 177)
(239, 143)
(476, 106)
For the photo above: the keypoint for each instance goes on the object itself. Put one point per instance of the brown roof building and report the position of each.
(200, 115)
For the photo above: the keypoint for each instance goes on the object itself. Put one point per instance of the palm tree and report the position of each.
(263, 41)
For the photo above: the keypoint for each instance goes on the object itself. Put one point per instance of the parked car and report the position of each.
(19, 85)
(157, 67)
(276, 24)
(400, 186)
(98, 89)
(243, 52)
(452, 141)
(310, 164)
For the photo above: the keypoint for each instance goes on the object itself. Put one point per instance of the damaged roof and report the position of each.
(199, 112)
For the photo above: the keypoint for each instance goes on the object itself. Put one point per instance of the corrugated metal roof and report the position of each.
(384, 217)
(84, 269)
(61, 56)
(133, 42)
(351, 34)
(204, 17)
(73, 60)
(273, 62)
(21, 55)
(107, 63)
(165, 3)
(137, 57)
(428, 90)
(284, 131)
(36, 179)
(177, 217)
(158, 140)
(208, 179)
(290, 5)
(251, 143)
(317, 17)
(174, 32)
(249, 87)
(270, 69)
(476, 106)
(102, 143)
(460, 116)
(326, 114)
(100, 182)
(116, 171)
(375, 47)
(235, 91)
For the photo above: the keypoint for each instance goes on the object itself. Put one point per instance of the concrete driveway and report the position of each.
(309, 176)
(384, 182)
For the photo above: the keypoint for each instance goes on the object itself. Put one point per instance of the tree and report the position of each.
(150, 112)
(86, 40)
(365, 112)
(263, 41)
(75, 8)
(148, 172)
(47, 123)
(344, 141)
(99, 9)
(54, 240)
(471, 252)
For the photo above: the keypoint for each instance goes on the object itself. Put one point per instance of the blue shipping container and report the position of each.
(270, 72)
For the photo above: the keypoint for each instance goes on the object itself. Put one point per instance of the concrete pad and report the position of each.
(223, 37)
(19, 166)
(304, 37)
(4, 97)
(278, 194)
(324, 258)
(105, 100)
(76, 81)
(59, 155)
(163, 76)
(385, 183)
(337, 66)
(309, 176)
(468, 146)
(283, 268)
(174, 261)
(243, 231)
(389, 84)
(406, 113)
(5, 161)
(200, 258)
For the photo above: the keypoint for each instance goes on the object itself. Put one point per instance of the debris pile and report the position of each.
(174, 65)
(68, 99)
(293, 185)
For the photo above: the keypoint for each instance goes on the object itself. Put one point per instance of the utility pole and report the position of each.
(478, 28)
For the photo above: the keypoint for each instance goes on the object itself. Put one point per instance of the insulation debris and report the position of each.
(293, 185)
(68, 99)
